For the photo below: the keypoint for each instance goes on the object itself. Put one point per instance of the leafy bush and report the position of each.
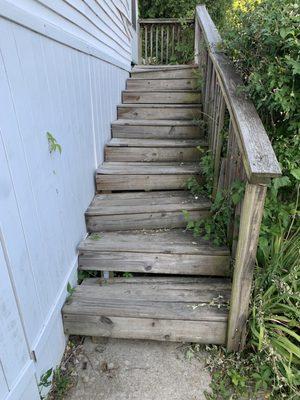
(183, 9)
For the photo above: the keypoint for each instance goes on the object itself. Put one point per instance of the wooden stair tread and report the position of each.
(173, 241)
(152, 97)
(144, 168)
(163, 91)
(147, 300)
(145, 202)
(144, 67)
(165, 106)
(161, 84)
(119, 142)
(159, 309)
(155, 122)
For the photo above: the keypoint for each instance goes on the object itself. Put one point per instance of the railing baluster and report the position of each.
(146, 43)
(162, 45)
(156, 40)
(173, 40)
(167, 44)
(151, 41)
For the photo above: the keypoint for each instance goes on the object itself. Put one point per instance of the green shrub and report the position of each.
(183, 9)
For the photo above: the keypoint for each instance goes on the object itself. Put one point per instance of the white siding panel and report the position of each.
(100, 24)
(3, 384)
(13, 348)
(46, 86)
(15, 200)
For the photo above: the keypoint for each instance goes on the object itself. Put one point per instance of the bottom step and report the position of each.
(173, 309)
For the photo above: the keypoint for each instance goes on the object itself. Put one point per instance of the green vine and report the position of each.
(215, 226)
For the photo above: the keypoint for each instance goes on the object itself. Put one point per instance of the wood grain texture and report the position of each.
(161, 84)
(250, 220)
(144, 310)
(151, 154)
(159, 111)
(156, 143)
(156, 129)
(146, 210)
(174, 241)
(173, 73)
(161, 97)
(155, 263)
(121, 182)
(144, 328)
(140, 168)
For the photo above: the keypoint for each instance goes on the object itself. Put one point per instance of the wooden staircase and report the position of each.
(136, 223)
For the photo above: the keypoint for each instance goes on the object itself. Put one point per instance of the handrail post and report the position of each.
(250, 220)
(196, 41)
(139, 42)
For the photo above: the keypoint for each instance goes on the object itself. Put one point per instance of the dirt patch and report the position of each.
(114, 369)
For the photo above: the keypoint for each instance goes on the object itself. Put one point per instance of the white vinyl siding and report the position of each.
(63, 65)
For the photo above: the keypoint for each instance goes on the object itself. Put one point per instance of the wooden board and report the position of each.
(149, 150)
(121, 182)
(154, 263)
(150, 154)
(161, 310)
(174, 241)
(160, 251)
(141, 202)
(140, 168)
(156, 129)
(161, 84)
(159, 111)
(186, 73)
(144, 328)
(149, 211)
(161, 97)
(156, 143)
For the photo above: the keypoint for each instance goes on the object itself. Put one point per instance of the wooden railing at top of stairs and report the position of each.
(250, 158)
(159, 38)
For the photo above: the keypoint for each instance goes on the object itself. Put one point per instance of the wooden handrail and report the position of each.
(165, 20)
(249, 158)
(257, 153)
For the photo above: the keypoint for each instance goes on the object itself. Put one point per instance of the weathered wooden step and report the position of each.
(120, 176)
(143, 210)
(158, 251)
(163, 72)
(148, 150)
(159, 111)
(156, 129)
(186, 310)
(161, 97)
(162, 84)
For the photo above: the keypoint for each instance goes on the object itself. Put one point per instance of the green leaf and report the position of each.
(296, 173)
(70, 289)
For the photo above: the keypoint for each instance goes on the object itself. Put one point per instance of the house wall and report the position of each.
(63, 65)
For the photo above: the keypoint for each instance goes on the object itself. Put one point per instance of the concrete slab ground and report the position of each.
(115, 369)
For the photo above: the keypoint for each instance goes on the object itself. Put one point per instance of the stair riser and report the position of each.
(176, 113)
(146, 328)
(141, 221)
(155, 263)
(183, 97)
(168, 74)
(161, 84)
(148, 154)
(141, 182)
(156, 132)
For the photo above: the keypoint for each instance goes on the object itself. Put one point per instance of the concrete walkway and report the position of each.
(117, 369)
